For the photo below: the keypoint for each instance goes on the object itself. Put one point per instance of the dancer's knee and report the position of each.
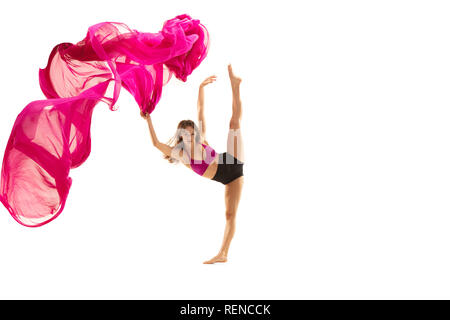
(235, 123)
(230, 215)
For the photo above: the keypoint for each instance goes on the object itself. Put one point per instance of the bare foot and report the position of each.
(235, 81)
(218, 258)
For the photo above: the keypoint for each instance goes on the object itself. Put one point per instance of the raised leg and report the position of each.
(235, 145)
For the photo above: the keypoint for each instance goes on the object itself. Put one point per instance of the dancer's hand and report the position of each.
(145, 115)
(208, 81)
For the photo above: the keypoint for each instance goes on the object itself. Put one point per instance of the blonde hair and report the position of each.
(177, 140)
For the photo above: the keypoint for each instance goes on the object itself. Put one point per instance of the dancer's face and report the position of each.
(187, 134)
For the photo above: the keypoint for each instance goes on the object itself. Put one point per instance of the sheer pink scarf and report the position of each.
(49, 137)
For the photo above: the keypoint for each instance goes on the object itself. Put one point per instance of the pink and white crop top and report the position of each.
(200, 166)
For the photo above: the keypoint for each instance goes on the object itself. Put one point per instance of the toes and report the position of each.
(216, 259)
(210, 261)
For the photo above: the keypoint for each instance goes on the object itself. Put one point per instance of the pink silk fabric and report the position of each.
(51, 136)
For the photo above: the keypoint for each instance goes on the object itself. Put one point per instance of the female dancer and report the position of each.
(189, 146)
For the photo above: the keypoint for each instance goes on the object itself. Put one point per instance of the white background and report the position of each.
(346, 134)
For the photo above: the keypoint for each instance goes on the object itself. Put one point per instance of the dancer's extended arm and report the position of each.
(200, 110)
(200, 104)
(164, 148)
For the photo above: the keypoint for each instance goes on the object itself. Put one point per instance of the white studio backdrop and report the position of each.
(346, 135)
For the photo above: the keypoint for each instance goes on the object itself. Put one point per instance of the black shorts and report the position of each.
(228, 169)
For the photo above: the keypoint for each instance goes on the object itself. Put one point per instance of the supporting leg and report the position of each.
(233, 192)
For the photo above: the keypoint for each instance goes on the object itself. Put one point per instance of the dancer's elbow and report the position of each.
(156, 143)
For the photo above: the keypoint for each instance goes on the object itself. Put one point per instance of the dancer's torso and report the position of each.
(212, 163)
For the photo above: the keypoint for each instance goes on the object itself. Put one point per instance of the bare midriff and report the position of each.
(210, 172)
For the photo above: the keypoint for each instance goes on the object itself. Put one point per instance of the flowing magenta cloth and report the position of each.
(49, 137)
